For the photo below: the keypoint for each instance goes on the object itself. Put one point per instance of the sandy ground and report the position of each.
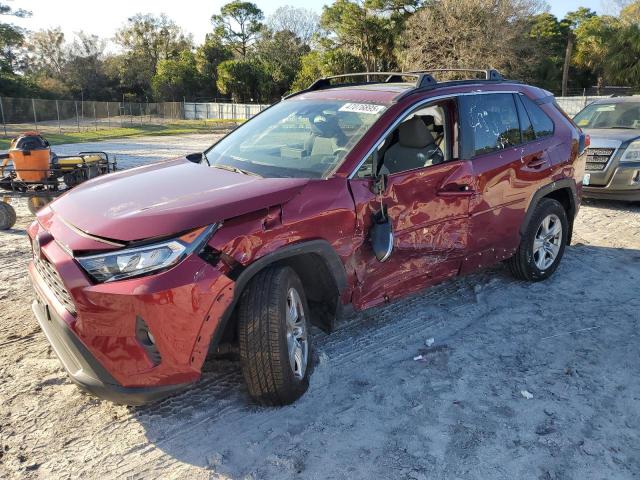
(372, 411)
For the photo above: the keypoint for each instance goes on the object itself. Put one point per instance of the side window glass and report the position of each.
(422, 139)
(542, 124)
(366, 169)
(492, 121)
(525, 123)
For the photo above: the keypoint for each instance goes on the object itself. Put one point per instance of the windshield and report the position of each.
(610, 115)
(296, 138)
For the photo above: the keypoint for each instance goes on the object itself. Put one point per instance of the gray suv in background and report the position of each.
(613, 158)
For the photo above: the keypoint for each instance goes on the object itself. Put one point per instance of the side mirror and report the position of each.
(197, 158)
(381, 235)
(380, 175)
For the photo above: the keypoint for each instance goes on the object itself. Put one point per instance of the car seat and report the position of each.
(415, 148)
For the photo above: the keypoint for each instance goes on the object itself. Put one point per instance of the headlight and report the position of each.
(137, 261)
(632, 153)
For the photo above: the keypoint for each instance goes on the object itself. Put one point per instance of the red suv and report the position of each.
(344, 195)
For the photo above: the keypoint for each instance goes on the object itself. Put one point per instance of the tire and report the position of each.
(541, 247)
(7, 216)
(265, 335)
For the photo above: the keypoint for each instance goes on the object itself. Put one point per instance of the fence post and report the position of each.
(205, 122)
(77, 117)
(35, 117)
(95, 117)
(58, 115)
(4, 125)
(108, 117)
(130, 113)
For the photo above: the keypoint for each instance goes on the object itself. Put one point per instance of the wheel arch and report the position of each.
(565, 192)
(321, 272)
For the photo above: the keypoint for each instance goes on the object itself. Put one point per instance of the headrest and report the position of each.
(414, 134)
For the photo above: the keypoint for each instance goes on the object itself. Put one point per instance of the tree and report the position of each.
(146, 40)
(242, 80)
(303, 23)
(238, 24)
(317, 64)
(468, 34)
(46, 53)
(593, 38)
(548, 38)
(177, 78)
(572, 20)
(208, 56)
(84, 70)
(280, 55)
(11, 38)
(363, 31)
(623, 56)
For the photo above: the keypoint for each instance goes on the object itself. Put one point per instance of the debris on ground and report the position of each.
(526, 394)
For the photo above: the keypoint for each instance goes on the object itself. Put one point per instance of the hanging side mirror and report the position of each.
(381, 233)
(380, 174)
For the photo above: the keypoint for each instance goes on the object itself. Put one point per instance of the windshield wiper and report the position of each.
(235, 169)
(624, 128)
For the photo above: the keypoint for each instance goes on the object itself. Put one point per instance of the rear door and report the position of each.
(509, 163)
(428, 207)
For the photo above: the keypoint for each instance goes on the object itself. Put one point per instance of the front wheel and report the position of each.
(542, 244)
(274, 341)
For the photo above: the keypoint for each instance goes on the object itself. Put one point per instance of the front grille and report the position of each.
(597, 158)
(52, 279)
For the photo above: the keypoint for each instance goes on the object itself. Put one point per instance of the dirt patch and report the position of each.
(372, 411)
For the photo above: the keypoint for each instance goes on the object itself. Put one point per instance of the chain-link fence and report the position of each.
(63, 116)
(221, 111)
(573, 105)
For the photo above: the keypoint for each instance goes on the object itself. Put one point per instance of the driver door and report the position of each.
(428, 208)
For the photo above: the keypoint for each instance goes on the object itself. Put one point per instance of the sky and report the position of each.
(105, 17)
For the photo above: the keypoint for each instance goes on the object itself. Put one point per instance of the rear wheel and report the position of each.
(7, 216)
(543, 243)
(273, 332)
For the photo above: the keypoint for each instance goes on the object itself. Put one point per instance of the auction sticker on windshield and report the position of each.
(362, 108)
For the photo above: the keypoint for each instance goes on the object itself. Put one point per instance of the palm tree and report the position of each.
(623, 56)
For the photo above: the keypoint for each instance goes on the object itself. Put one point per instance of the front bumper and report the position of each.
(95, 328)
(85, 370)
(623, 185)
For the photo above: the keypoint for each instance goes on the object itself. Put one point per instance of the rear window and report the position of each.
(542, 124)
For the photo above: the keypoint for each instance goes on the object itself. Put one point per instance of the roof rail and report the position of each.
(423, 79)
(489, 74)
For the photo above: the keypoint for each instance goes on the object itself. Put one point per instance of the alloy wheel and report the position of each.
(297, 343)
(547, 242)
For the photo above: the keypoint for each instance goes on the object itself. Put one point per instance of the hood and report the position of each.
(611, 137)
(166, 198)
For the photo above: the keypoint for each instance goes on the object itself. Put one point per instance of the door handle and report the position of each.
(456, 190)
(536, 162)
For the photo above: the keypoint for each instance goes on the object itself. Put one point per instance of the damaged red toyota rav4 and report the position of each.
(344, 195)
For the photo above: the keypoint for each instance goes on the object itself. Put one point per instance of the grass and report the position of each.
(180, 127)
